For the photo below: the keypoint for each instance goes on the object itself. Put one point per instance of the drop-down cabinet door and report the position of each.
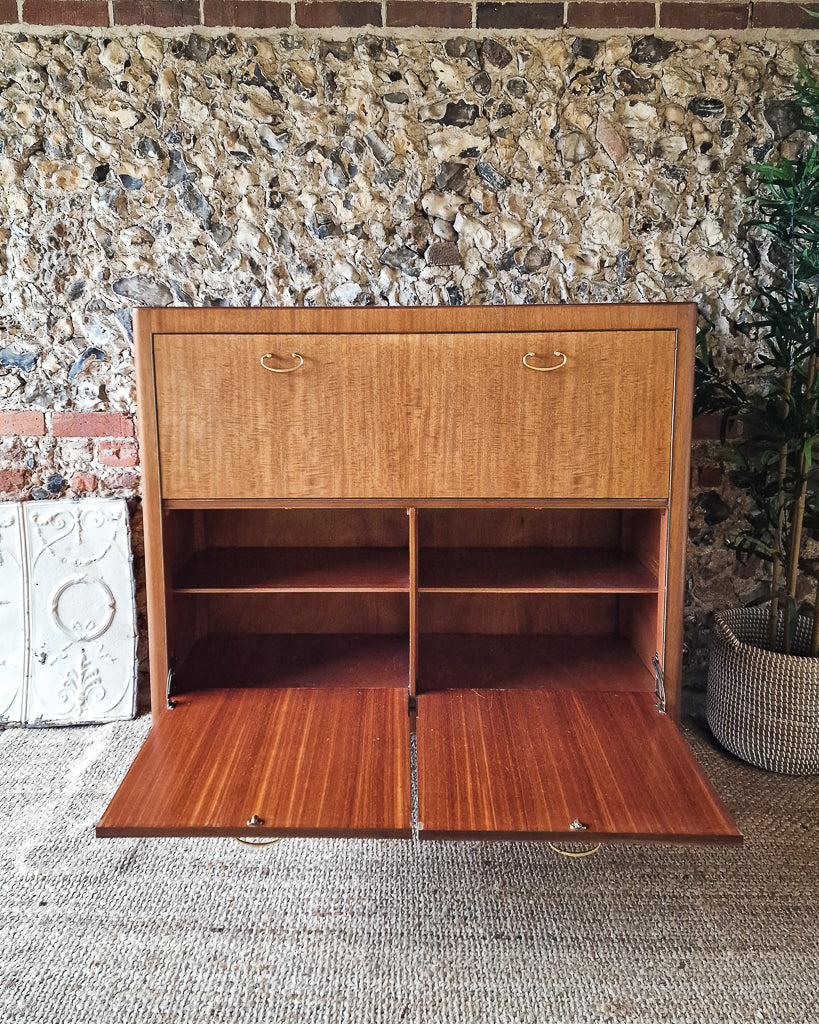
(491, 414)
(560, 765)
(260, 761)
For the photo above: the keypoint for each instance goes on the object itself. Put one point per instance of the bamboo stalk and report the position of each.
(776, 568)
(798, 516)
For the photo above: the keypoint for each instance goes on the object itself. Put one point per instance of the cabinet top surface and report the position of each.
(423, 319)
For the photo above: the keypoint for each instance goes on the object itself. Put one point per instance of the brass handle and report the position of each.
(575, 853)
(545, 369)
(279, 369)
(258, 843)
(253, 822)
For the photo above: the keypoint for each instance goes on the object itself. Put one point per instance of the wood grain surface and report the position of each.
(463, 611)
(564, 570)
(399, 415)
(308, 762)
(526, 763)
(316, 612)
(637, 316)
(519, 527)
(305, 527)
(677, 536)
(303, 660)
(472, 662)
(294, 569)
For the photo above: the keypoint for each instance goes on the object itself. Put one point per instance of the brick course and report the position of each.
(337, 13)
(435, 14)
(93, 13)
(11, 480)
(704, 15)
(782, 15)
(624, 14)
(538, 15)
(91, 424)
(520, 15)
(247, 13)
(27, 423)
(162, 13)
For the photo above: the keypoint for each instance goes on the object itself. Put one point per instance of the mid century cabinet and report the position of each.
(468, 523)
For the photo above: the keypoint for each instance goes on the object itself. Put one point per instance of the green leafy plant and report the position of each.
(773, 406)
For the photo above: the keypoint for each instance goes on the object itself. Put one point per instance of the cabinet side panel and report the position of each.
(412, 514)
(678, 508)
(152, 507)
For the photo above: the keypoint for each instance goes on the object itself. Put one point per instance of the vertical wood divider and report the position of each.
(413, 599)
(199, 544)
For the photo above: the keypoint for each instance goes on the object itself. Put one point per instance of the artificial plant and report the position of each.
(774, 402)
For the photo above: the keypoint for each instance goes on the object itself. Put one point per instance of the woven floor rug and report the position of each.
(160, 931)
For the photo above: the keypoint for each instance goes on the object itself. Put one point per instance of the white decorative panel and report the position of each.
(13, 632)
(67, 603)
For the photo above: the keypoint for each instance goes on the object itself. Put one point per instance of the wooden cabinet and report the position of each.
(464, 523)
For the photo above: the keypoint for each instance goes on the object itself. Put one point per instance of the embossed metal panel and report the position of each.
(13, 645)
(82, 628)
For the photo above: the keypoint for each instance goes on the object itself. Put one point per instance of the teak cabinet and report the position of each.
(464, 522)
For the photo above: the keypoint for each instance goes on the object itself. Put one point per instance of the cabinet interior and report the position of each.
(426, 598)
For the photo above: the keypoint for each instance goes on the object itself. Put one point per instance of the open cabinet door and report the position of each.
(527, 764)
(300, 762)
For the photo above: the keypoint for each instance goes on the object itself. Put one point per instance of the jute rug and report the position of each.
(160, 931)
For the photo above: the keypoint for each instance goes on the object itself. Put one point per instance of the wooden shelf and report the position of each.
(520, 570)
(264, 570)
(486, 661)
(296, 660)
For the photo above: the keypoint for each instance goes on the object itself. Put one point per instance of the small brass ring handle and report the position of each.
(280, 369)
(253, 822)
(258, 843)
(575, 853)
(545, 369)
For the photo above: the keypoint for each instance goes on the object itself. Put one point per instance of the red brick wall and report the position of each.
(112, 450)
(697, 15)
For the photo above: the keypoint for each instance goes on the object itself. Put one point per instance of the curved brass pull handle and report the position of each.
(545, 369)
(254, 820)
(278, 369)
(258, 843)
(577, 853)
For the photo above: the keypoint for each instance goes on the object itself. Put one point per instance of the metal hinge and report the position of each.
(168, 683)
(659, 683)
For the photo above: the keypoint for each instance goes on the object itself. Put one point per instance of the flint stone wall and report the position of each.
(296, 169)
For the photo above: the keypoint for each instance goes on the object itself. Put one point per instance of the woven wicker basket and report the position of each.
(763, 706)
